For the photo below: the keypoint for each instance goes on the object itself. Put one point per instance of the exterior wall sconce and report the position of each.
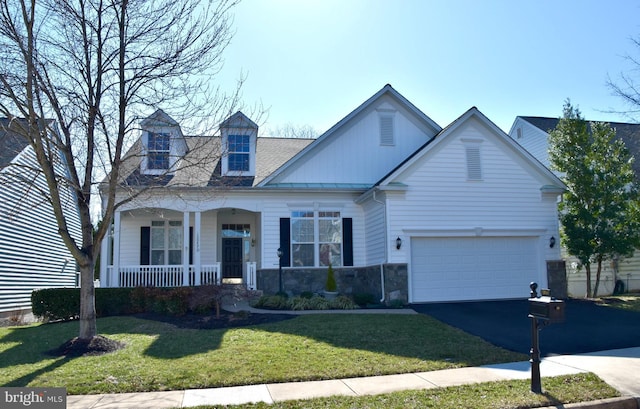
(552, 242)
(398, 243)
(253, 242)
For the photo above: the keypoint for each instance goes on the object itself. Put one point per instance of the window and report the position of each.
(316, 238)
(158, 151)
(239, 153)
(166, 242)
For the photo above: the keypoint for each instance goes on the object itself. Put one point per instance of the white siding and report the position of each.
(354, 154)
(375, 231)
(32, 254)
(533, 139)
(441, 202)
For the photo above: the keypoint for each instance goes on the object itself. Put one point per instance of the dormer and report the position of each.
(162, 144)
(239, 139)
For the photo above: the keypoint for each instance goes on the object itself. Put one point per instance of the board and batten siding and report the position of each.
(32, 254)
(440, 198)
(354, 154)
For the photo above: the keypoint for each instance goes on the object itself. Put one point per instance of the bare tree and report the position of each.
(290, 130)
(627, 86)
(95, 67)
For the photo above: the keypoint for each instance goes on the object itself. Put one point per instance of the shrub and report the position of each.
(342, 302)
(113, 301)
(396, 304)
(272, 302)
(306, 294)
(52, 304)
(331, 285)
(364, 299)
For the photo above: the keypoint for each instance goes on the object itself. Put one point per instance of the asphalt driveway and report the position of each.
(588, 327)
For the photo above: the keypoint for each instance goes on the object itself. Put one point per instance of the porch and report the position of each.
(167, 248)
(175, 276)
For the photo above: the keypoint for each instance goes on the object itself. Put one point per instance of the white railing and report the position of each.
(164, 276)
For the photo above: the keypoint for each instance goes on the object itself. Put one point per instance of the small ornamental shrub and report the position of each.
(306, 294)
(272, 302)
(331, 285)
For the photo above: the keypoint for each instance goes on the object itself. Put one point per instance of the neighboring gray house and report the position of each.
(532, 133)
(401, 207)
(32, 254)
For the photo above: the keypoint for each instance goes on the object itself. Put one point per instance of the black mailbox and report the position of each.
(547, 308)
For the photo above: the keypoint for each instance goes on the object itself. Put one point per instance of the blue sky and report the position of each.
(311, 62)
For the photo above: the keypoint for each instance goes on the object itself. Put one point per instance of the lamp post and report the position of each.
(279, 270)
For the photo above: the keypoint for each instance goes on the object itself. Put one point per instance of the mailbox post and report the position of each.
(543, 310)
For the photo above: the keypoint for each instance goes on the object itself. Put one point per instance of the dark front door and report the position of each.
(232, 258)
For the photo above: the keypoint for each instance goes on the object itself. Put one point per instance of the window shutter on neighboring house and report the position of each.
(145, 245)
(285, 241)
(347, 241)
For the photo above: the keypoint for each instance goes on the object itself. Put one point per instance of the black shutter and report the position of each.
(347, 241)
(285, 241)
(145, 245)
(190, 244)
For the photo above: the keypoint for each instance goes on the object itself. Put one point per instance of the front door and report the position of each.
(231, 258)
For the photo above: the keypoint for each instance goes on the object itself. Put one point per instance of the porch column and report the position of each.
(115, 270)
(185, 252)
(104, 260)
(196, 244)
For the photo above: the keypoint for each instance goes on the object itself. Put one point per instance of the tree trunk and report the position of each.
(595, 289)
(587, 269)
(88, 327)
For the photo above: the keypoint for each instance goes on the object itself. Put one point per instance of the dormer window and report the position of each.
(239, 138)
(239, 151)
(158, 150)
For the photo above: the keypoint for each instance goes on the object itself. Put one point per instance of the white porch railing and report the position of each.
(172, 276)
(164, 276)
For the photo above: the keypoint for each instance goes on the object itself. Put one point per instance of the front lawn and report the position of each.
(515, 394)
(161, 356)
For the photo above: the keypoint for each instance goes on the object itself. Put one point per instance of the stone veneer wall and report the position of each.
(350, 280)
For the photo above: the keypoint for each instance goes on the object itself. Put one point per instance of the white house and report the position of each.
(532, 133)
(32, 254)
(401, 208)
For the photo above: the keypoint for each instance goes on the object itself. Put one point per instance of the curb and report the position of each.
(625, 402)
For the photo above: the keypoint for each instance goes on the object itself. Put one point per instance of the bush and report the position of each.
(113, 301)
(364, 299)
(272, 302)
(331, 285)
(342, 302)
(306, 294)
(52, 304)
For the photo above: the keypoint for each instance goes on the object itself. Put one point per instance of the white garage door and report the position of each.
(472, 268)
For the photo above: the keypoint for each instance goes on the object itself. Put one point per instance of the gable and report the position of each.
(361, 148)
(474, 153)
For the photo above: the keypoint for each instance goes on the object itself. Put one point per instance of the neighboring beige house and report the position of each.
(532, 133)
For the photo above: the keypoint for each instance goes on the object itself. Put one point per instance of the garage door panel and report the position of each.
(472, 268)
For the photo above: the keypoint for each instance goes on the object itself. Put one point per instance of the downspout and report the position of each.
(386, 250)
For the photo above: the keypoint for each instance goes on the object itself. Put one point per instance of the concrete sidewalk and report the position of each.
(619, 368)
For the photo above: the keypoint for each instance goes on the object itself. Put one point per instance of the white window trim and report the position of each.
(166, 226)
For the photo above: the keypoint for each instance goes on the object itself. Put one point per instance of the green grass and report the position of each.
(159, 356)
(629, 302)
(506, 395)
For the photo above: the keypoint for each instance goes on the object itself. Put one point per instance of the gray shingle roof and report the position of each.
(629, 133)
(11, 143)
